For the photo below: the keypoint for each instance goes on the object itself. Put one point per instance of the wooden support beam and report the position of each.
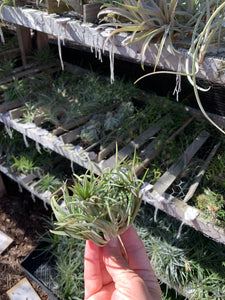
(25, 44)
(42, 40)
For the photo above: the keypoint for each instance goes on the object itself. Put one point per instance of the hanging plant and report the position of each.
(99, 208)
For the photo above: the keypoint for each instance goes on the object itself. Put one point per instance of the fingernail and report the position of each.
(113, 242)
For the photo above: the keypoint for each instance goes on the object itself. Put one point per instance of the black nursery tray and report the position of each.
(39, 267)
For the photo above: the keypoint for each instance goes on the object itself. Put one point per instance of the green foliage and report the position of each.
(7, 67)
(49, 183)
(192, 263)
(44, 56)
(99, 208)
(24, 164)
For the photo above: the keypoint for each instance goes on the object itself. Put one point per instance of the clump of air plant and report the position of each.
(99, 208)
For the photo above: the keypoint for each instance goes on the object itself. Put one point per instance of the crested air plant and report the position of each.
(99, 208)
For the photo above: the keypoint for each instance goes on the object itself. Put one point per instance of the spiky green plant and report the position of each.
(99, 208)
(49, 183)
(24, 164)
(44, 56)
(7, 67)
(146, 21)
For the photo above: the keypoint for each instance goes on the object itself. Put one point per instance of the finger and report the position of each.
(128, 285)
(92, 272)
(139, 261)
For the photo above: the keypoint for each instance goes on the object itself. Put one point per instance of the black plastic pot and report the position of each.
(39, 267)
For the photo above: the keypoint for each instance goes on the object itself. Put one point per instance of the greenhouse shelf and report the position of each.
(93, 36)
(26, 181)
(157, 196)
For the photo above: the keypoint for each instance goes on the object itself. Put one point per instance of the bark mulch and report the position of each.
(22, 219)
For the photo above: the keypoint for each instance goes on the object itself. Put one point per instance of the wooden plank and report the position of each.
(177, 208)
(134, 144)
(10, 53)
(71, 136)
(111, 147)
(200, 174)
(25, 42)
(29, 178)
(17, 113)
(19, 180)
(151, 150)
(50, 141)
(163, 183)
(107, 150)
(9, 105)
(94, 37)
(90, 12)
(32, 70)
(42, 40)
(38, 120)
(70, 125)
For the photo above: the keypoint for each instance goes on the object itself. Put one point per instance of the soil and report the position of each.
(22, 219)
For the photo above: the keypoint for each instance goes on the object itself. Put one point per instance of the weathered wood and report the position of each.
(29, 178)
(10, 53)
(25, 42)
(38, 120)
(134, 144)
(200, 174)
(105, 151)
(177, 208)
(163, 183)
(51, 142)
(16, 113)
(94, 37)
(42, 40)
(71, 136)
(19, 179)
(6, 106)
(32, 70)
(2, 187)
(72, 124)
(151, 150)
(90, 12)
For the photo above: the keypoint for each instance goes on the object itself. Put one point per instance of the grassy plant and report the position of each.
(24, 165)
(44, 56)
(193, 262)
(49, 183)
(147, 21)
(99, 208)
(10, 41)
(15, 90)
(7, 67)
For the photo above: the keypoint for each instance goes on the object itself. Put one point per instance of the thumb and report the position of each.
(127, 283)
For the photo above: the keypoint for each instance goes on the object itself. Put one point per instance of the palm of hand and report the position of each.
(108, 276)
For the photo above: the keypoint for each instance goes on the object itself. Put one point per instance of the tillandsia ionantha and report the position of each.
(99, 208)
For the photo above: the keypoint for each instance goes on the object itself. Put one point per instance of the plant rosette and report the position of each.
(99, 208)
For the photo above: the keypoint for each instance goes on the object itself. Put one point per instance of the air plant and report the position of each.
(24, 164)
(49, 183)
(154, 21)
(99, 208)
(211, 14)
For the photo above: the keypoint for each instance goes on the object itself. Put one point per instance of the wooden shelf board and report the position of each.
(94, 37)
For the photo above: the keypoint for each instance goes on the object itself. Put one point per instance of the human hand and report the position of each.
(108, 276)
